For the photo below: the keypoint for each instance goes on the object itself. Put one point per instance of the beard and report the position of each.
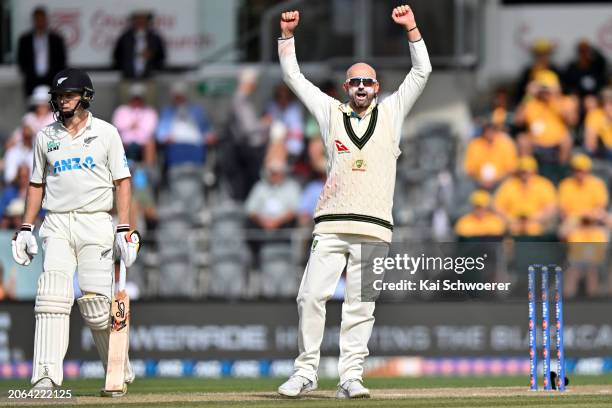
(361, 98)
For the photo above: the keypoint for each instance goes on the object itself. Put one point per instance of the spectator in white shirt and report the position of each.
(19, 153)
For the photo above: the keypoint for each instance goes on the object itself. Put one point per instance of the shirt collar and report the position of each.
(85, 128)
(346, 109)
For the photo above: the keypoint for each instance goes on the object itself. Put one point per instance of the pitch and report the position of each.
(585, 391)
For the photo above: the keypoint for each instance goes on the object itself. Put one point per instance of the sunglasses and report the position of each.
(367, 82)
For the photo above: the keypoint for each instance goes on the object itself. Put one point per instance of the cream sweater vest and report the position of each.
(358, 195)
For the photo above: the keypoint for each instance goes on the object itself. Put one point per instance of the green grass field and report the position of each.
(584, 391)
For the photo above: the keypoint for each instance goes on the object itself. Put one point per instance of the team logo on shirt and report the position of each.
(360, 165)
(105, 253)
(88, 140)
(73, 163)
(52, 145)
(341, 148)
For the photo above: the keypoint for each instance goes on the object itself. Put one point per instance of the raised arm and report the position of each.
(415, 81)
(317, 102)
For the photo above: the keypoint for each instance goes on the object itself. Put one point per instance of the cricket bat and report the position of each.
(119, 339)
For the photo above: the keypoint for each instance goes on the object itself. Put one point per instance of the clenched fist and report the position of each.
(288, 22)
(403, 15)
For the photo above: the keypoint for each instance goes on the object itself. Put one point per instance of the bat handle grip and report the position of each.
(122, 274)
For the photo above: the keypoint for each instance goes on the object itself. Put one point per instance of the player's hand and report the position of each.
(288, 22)
(24, 245)
(403, 15)
(127, 243)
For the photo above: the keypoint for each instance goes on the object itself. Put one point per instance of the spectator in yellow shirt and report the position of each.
(547, 116)
(526, 227)
(582, 193)
(526, 198)
(541, 52)
(587, 247)
(481, 221)
(598, 126)
(491, 157)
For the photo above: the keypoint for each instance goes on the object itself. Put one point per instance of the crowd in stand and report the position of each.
(541, 166)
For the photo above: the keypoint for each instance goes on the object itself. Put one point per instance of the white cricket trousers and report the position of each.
(329, 254)
(82, 242)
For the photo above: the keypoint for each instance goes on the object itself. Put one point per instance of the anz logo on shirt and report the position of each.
(74, 163)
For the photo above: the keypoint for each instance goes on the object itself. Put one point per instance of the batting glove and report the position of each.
(127, 243)
(24, 245)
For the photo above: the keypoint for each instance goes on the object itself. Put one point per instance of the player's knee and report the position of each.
(313, 300)
(95, 310)
(54, 294)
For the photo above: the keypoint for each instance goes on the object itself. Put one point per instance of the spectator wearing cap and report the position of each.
(273, 202)
(582, 194)
(138, 53)
(526, 198)
(41, 53)
(490, 157)
(20, 153)
(40, 114)
(547, 116)
(184, 130)
(481, 222)
(542, 50)
(598, 127)
(272, 205)
(136, 123)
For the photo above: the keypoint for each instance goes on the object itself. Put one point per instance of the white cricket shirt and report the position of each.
(78, 172)
(362, 152)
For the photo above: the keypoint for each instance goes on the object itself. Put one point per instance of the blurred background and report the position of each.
(510, 143)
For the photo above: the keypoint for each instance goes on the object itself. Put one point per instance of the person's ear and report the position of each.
(345, 86)
(376, 87)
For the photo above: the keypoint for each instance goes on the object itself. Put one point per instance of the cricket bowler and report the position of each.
(78, 162)
(362, 139)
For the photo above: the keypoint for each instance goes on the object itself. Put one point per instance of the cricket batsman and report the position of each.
(362, 139)
(78, 163)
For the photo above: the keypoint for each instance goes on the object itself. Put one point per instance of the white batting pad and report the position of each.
(52, 310)
(95, 310)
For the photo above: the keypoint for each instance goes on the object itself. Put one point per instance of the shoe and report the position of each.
(44, 383)
(114, 394)
(297, 385)
(352, 389)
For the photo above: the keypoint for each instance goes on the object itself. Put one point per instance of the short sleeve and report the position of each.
(39, 164)
(117, 162)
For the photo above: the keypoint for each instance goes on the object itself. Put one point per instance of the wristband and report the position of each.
(412, 29)
(122, 228)
(26, 227)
